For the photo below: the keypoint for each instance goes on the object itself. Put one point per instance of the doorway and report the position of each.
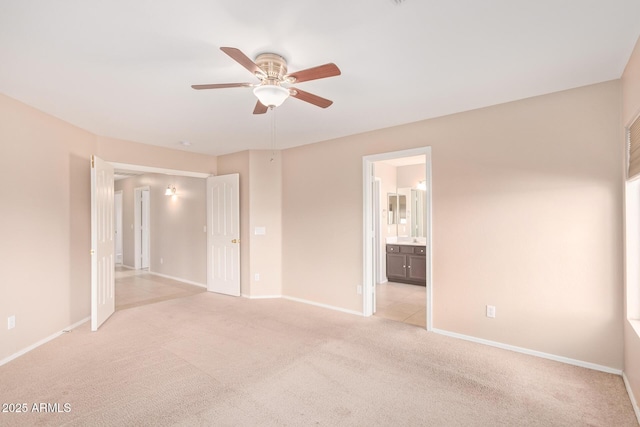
(373, 216)
(172, 222)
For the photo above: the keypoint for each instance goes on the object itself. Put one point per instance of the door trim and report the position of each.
(368, 273)
(137, 218)
(152, 169)
(119, 226)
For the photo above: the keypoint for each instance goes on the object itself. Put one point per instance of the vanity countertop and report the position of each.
(395, 241)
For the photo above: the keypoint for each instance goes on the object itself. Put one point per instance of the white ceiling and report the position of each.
(123, 68)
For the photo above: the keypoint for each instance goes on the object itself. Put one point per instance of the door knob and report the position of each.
(235, 241)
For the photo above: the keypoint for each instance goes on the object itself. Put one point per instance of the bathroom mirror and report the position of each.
(397, 208)
(406, 210)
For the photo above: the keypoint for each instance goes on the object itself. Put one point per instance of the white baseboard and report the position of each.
(127, 266)
(317, 304)
(42, 341)
(189, 282)
(261, 296)
(530, 352)
(634, 402)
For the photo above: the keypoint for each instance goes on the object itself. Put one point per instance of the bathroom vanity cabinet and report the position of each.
(407, 264)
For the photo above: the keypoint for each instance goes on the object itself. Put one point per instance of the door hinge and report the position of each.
(93, 162)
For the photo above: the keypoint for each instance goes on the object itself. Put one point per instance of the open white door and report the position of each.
(102, 243)
(223, 234)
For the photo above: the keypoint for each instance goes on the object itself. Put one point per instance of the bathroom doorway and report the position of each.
(397, 217)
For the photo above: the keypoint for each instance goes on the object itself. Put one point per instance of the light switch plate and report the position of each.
(491, 311)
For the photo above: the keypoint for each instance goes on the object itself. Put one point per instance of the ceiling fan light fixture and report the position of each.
(271, 95)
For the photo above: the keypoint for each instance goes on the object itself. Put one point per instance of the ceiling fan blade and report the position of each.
(260, 108)
(310, 98)
(243, 60)
(221, 85)
(315, 73)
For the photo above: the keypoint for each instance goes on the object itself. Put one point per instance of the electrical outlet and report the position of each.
(11, 322)
(491, 311)
(161, 260)
(256, 277)
(359, 289)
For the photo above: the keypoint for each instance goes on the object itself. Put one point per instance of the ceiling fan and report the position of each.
(273, 88)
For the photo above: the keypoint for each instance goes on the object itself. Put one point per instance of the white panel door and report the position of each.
(102, 243)
(223, 234)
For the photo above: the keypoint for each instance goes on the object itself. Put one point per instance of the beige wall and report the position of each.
(322, 222)
(44, 168)
(631, 108)
(527, 216)
(265, 209)
(177, 235)
(260, 206)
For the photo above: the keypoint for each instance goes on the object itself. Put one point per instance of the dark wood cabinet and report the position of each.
(407, 264)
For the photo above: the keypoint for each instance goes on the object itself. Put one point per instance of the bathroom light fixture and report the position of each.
(271, 95)
(170, 191)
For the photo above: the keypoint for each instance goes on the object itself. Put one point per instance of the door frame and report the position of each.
(138, 212)
(380, 275)
(118, 226)
(369, 263)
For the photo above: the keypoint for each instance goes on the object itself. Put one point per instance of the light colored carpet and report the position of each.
(209, 359)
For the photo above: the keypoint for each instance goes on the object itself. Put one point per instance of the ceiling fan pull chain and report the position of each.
(273, 134)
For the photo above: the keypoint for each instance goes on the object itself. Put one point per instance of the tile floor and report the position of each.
(394, 301)
(402, 302)
(138, 287)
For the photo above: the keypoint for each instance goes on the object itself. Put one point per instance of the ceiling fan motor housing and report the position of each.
(274, 68)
